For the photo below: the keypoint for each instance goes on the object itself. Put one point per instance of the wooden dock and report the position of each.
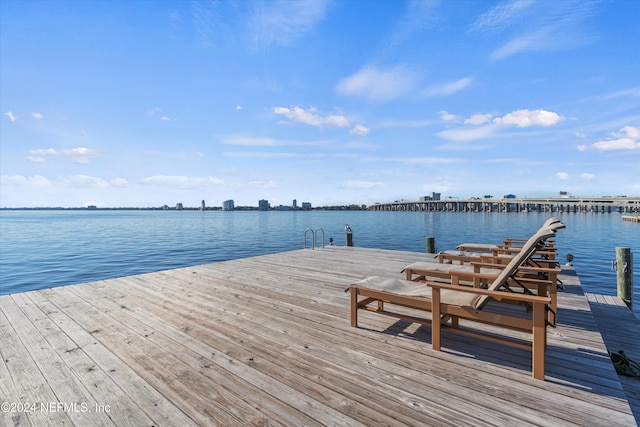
(620, 329)
(266, 341)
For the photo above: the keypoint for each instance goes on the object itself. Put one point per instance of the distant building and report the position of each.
(306, 205)
(92, 207)
(294, 205)
(283, 208)
(263, 205)
(179, 206)
(202, 206)
(431, 196)
(228, 205)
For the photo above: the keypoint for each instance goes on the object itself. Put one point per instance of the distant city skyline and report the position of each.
(152, 103)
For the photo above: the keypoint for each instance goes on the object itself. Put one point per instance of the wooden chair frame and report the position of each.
(448, 316)
(465, 302)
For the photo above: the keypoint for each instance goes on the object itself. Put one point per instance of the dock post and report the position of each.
(624, 269)
(348, 234)
(431, 245)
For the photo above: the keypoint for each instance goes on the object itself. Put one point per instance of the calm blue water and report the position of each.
(41, 249)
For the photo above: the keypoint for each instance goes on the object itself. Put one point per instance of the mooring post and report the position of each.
(348, 235)
(431, 245)
(624, 269)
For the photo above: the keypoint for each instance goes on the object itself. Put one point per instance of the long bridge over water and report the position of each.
(622, 204)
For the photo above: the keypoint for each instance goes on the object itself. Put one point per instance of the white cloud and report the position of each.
(238, 107)
(262, 155)
(634, 92)
(280, 23)
(538, 26)
(448, 88)
(84, 181)
(180, 181)
(37, 116)
(155, 111)
(628, 138)
(418, 17)
(378, 84)
(587, 176)
(394, 123)
(630, 132)
(359, 130)
(44, 152)
(80, 155)
(467, 134)
(80, 151)
(262, 184)
(526, 118)
(478, 119)
(33, 159)
(119, 182)
(501, 15)
(448, 117)
(460, 146)
(429, 160)
(617, 144)
(480, 126)
(581, 147)
(36, 180)
(562, 175)
(532, 41)
(249, 140)
(9, 114)
(311, 117)
(362, 184)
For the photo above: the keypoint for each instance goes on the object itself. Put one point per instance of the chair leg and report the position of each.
(539, 339)
(354, 307)
(436, 327)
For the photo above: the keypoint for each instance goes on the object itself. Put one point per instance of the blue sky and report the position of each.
(146, 103)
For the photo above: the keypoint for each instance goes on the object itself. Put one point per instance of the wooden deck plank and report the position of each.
(267, 340)
(125, 384)
(75, 378)
(621, 331)
(238, 386)
(19, 341)
(258, 339)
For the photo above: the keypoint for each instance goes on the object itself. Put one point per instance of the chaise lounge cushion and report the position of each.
(416, 289)
(434, 267)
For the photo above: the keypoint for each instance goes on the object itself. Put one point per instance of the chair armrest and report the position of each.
(540, 269)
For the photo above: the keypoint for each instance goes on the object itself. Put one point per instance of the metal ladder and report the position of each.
(313, 237)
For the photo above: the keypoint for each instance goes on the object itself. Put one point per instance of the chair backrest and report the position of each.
(550, 221)
(555, 226)
(518, 259)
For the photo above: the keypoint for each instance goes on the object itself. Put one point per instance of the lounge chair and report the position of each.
(510, 244)
(449, 303)
(468, 252)
(529, 273)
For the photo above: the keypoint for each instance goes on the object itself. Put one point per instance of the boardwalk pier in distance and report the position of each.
(621, 204)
